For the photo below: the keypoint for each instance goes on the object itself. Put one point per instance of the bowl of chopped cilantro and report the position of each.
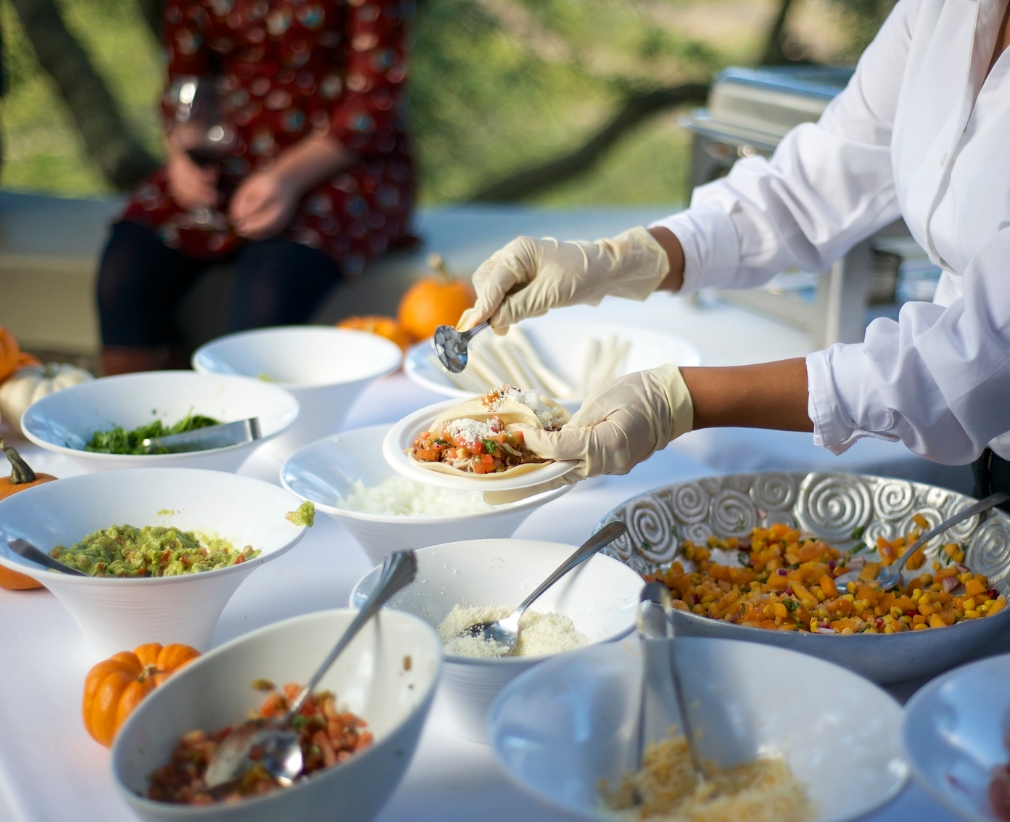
(162, 549)
(103, 427)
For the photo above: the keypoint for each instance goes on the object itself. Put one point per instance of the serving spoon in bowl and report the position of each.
(277, 746)
(503, 634)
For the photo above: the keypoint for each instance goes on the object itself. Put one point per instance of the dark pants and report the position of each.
(142, 281)
(991, 474)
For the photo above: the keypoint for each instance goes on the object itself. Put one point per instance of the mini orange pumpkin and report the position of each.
(386, 327)
(22, 476)
(11, 355)
(434, 301)
(117, 685)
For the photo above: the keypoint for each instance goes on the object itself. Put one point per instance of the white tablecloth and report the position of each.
(51, 770)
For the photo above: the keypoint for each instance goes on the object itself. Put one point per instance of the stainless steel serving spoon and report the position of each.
(451, 345)
(660, 677)
(890, 576)
(25, 549)
(503, 633)
(279, 751)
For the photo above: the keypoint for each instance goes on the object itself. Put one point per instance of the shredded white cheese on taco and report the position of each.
(497, 398)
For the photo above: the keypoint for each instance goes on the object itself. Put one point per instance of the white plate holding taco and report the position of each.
(477, 444)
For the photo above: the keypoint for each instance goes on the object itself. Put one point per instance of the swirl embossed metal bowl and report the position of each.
(832, 507)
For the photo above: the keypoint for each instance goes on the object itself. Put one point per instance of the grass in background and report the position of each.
(496, 86)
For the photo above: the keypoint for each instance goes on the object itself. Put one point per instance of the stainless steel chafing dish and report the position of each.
(749, 111)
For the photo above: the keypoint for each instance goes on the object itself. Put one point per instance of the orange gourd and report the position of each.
(22, 476)
(434, 301)
(386, 327)
(117, 685)
(11, 355)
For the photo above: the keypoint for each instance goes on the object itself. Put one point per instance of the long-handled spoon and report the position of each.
(660, 676)
(451, 345)
(503, 634)
(890, 576)
(279, 751)
(25, 549)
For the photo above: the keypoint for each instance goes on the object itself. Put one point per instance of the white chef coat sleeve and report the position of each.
(828, 185)
(938, 379)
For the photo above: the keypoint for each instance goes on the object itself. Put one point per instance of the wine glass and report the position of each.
(202, 131)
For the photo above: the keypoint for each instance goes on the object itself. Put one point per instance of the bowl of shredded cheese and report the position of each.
(345, 476)
(461, 583)
(783, 737)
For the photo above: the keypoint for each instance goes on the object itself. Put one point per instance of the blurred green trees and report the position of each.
(497, 86)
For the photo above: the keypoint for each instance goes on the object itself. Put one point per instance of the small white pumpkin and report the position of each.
(33, 382)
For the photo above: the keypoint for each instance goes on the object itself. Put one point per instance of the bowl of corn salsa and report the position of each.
(791, 559)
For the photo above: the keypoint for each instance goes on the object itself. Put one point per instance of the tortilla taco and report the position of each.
(484, 436)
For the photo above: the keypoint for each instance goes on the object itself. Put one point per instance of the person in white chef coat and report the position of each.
(922, 131)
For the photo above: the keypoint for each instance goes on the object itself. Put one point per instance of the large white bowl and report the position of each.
(955, 732)
(119, 614)
(600, 596)
(214, 692)
(829, 506)
(402, 435)
(562, 346)
(326, 471)
(325, 368)
(64, 421)
(563, 726)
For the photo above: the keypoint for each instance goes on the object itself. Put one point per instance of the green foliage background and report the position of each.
(496, 85)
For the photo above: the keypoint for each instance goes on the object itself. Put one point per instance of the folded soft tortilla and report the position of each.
(512, 414)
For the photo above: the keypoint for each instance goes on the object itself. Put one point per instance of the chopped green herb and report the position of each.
(857, 549)
(299, 722)
(791, 604)
(858, 531)
(120, 441)
(490, 446)
(743, 558)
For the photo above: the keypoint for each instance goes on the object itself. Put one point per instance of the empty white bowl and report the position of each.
(325, 368)
(370, 678)
(325, 472)
(64, 421)
(600, 597)
(117, 614)
(569, 723)
(562, 345)
(954, 735)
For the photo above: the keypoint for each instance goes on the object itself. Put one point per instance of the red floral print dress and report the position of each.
(286, 69)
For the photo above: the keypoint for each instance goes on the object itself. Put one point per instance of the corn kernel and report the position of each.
(920, 626)
(972, 614)
(968, 604)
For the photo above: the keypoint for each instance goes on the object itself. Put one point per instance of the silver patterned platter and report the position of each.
(834, 507)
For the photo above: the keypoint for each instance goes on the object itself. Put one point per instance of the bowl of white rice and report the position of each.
(346, 477)
(461, 583)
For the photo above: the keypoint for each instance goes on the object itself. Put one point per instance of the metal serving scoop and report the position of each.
(890, 576)
(25, 549)
(450, 345)
(504, 633)
(661, 677)
(203, 439)
(278, 749)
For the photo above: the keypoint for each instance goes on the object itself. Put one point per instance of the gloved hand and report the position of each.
(620, 425)
(547, 274)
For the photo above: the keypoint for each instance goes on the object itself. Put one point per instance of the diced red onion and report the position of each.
(962, 568)
(949, 583)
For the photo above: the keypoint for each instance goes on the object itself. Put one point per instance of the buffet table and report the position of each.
(50, 769)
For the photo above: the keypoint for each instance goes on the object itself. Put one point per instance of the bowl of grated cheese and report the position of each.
(346, 477)
(785, 737)
(461, 583)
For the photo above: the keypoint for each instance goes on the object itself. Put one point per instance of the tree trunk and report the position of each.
(773, 54)
(119, 155)
(636, 108)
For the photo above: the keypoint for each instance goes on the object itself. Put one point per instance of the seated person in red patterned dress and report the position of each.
(318, 180)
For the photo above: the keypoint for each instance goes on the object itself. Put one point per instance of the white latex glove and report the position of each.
(620, 425)
(528, 277)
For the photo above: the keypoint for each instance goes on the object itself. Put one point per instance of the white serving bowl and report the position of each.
(64, 421)
(600, 596)
(117, 614)
(402, 435)
(325, 368)
(563, 726)
(326, 471)
(562, 346)
(955, 731)
(214, 692)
